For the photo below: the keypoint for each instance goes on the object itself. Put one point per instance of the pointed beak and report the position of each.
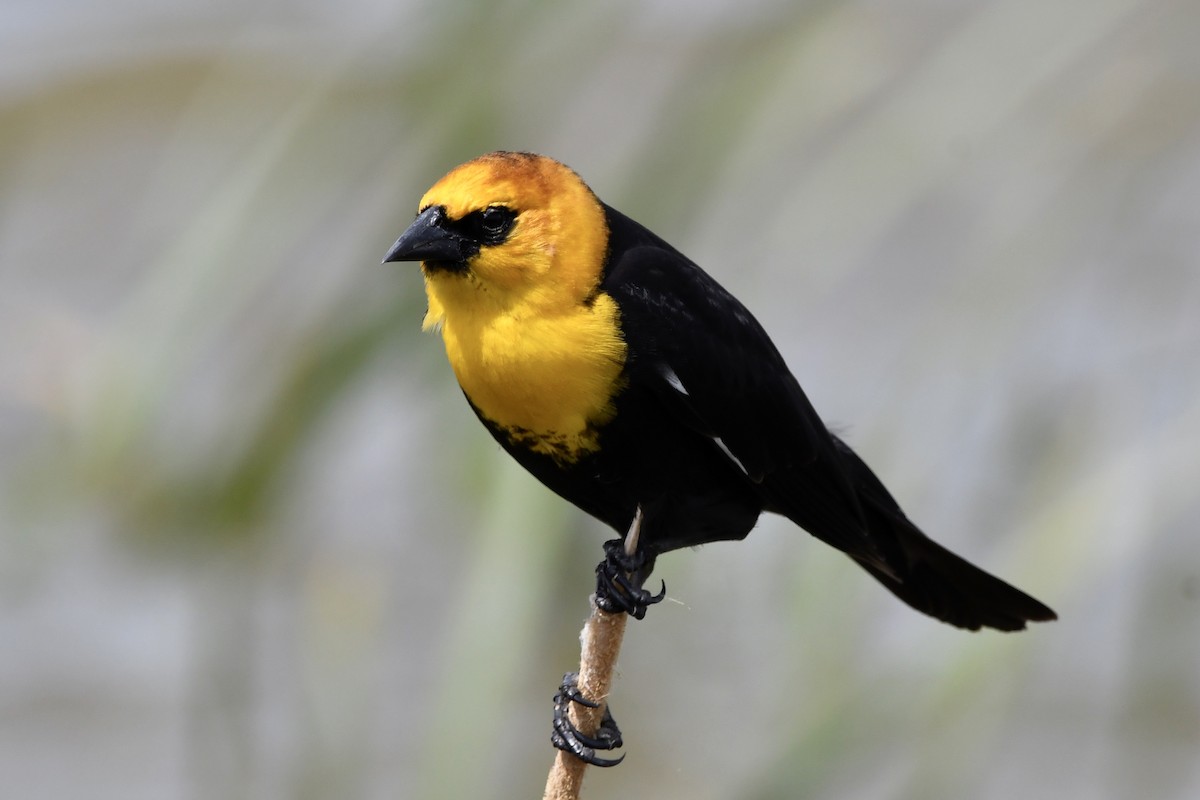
(427, 239)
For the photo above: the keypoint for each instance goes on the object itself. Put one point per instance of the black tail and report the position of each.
(929, 577)
(935, 581)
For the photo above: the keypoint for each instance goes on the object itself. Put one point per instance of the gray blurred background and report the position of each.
(254, 545)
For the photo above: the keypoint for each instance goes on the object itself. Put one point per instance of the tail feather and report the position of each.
(947, 587)
(926, 575)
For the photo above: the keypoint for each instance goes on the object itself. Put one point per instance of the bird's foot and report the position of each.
(569, 739)
(619, 579)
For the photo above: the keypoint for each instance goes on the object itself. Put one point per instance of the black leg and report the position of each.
(619, 579)
(568, 738)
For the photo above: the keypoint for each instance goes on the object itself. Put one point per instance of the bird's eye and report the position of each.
(494, 223)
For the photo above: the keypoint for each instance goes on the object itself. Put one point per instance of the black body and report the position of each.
(711, 429)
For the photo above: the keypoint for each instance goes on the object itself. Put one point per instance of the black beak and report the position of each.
(427, 239)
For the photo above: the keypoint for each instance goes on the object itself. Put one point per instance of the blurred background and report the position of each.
(254, 545)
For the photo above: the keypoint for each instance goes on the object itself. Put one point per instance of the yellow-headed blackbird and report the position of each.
(627, 380)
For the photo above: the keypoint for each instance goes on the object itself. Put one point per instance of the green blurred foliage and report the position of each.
(253, 544)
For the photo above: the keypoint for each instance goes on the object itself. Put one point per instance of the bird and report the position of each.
(632, 384)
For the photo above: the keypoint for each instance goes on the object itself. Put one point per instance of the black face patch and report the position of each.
(488, 227)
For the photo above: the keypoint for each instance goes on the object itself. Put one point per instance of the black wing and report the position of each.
(706, 355)
(698, 350)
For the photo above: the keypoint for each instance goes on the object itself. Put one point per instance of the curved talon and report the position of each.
(641, 595)
(632, 601)
(595, 742)
(619, 580)
(657, 598)
(566, 737)
(569, 690)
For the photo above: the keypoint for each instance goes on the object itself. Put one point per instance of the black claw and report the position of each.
(566, 737)
(619, 579)
(570, 691)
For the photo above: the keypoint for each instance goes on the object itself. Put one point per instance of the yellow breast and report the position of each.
(548, 380)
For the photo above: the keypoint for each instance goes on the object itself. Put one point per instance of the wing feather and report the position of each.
(710, 361)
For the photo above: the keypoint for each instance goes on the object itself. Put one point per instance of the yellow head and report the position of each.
(512, 247)
(509, 233)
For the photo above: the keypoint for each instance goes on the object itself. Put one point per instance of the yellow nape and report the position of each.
(535, 345)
